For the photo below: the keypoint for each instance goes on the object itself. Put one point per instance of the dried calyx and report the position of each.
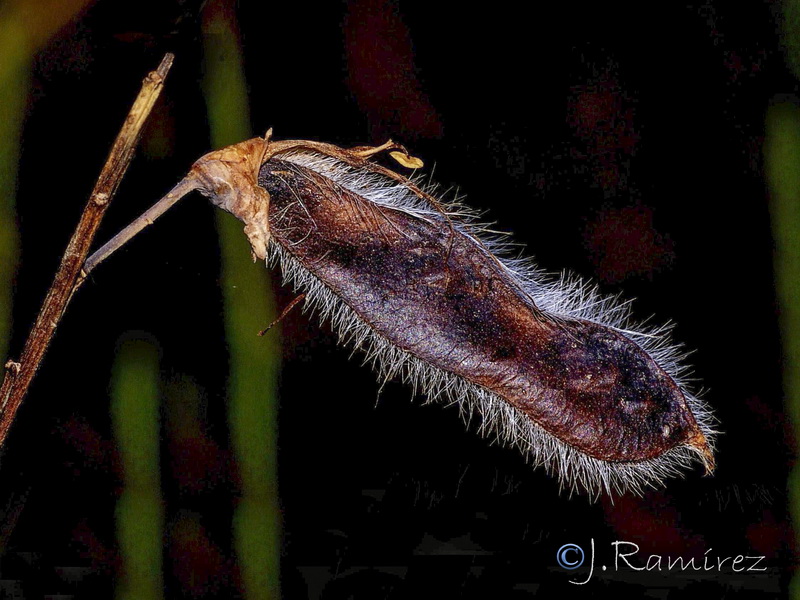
(229, 177)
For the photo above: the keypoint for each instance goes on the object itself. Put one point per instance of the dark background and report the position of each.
(621, 141)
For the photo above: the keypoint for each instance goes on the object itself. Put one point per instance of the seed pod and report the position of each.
(551, 367)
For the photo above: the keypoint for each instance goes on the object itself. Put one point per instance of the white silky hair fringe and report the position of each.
(566, 297)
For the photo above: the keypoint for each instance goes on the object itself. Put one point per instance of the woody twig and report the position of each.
(19, 374)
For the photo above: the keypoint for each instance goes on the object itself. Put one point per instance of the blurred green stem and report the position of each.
(782, 163)
(135, 417)
(249, 306)
(15, 64)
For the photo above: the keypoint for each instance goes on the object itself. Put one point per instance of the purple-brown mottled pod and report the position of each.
(550, 366)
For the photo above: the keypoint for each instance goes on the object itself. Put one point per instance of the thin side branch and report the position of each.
(146, 219)
(19, 374)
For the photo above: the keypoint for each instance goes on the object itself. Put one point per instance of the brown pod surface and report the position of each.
(435, 292)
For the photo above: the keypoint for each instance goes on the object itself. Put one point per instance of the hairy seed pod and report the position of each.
(551, 367)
